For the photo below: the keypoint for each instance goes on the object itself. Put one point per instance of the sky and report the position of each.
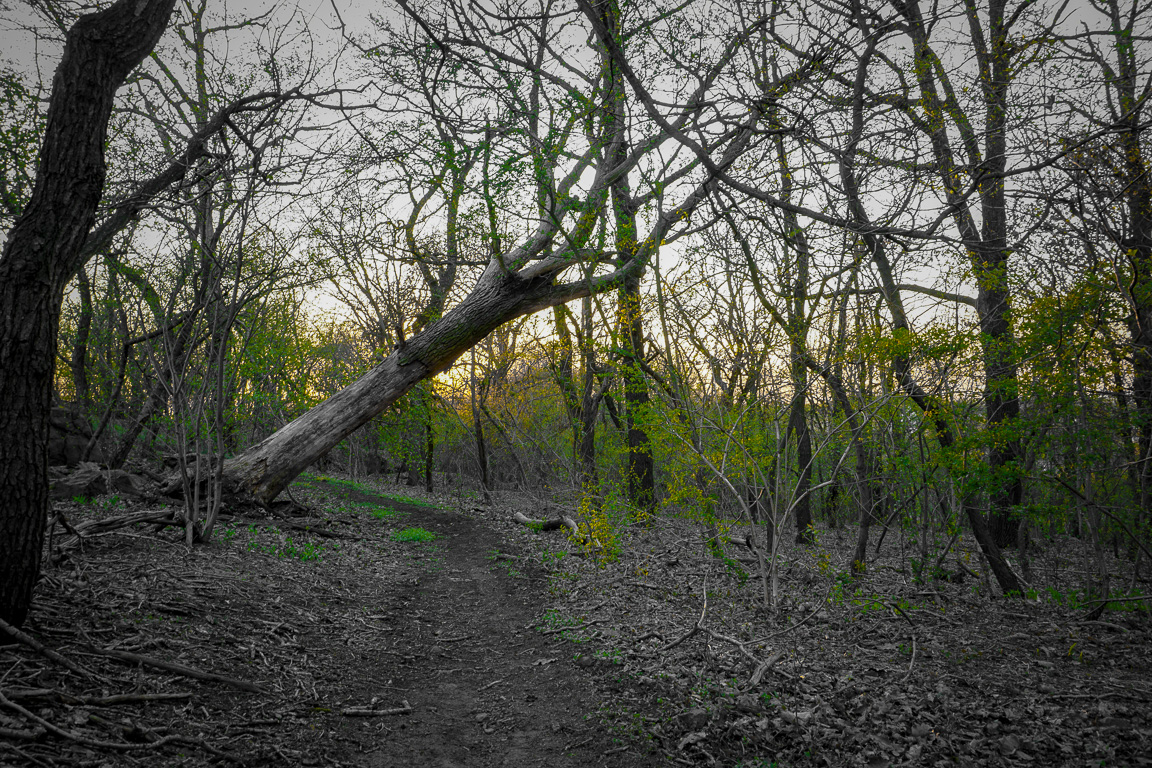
(36, 56)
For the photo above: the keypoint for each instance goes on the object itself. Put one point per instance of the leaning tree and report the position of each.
(598, 139)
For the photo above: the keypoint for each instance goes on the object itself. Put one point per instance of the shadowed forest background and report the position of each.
(761, 273)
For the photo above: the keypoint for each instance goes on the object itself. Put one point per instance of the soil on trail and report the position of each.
(458, 644)
(343, 638)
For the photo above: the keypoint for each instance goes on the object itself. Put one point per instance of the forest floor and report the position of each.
(407, 631)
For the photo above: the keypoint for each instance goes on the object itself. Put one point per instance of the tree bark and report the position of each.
(1001, 399)
(589, 408)
(429, 450)
(481, 448)
(1136, 241)
(797, 330)
(641, 479)
(798, 426)
(987, 244)
(44, 250)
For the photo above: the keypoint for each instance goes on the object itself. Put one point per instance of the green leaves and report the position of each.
(21, 125)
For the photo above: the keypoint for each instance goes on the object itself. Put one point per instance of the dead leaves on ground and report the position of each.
(877, 672)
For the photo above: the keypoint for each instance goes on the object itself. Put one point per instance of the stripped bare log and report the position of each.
(369, 711)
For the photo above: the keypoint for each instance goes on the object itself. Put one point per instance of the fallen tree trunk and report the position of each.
(548, 525)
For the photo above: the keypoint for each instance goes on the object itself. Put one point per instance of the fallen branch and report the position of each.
(966, 569)
(127, 698)
(180, 669)
(96, 701)
(31, 693)
(648, 636)
(699, 622)
(370, 712)
(900, 610)
(28, 759)
(160, 518)
(117, 745)
(762, 668)
(1136, 599)
(733, 641)
(26, 639)
(912, 661)
(321, 532)
(695, 629)
(658, 587)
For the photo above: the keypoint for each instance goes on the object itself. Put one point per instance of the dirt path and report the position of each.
(368, 620)
(458, 643)
(342, 611)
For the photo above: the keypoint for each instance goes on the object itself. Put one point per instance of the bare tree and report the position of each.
(529, 277)
(1106, 195)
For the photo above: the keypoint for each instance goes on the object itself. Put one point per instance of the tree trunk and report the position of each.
(27, 343)
(1137, 242)
(429, 452)
(44, 250)
(586, 433)
(641, 475)
(876, 249)
(481, 449)
(987, 244)
(640, 479)
(1002, 402)
(798, 426)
